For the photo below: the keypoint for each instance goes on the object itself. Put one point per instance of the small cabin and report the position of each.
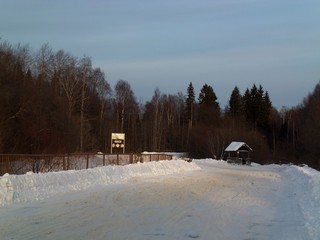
(238, 152)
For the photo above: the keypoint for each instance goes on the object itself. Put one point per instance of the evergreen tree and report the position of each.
(257, 108)
(207, 96)
(209, 111)
(255, 100)
(246, 103)
(235, 103)
(264, 112)
(308, 128)
(189, 105)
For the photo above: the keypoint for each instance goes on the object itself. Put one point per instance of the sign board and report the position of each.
(117, 142)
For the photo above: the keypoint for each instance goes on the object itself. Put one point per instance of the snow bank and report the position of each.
(32, 187)
(307, 180)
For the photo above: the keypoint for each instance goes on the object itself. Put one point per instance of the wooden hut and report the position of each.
(238, 152)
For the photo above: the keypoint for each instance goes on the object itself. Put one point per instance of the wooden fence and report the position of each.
(23, 163)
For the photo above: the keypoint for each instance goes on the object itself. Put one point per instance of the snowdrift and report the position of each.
(38, 186)
(307, 181)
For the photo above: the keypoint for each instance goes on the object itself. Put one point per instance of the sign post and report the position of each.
(118, 142)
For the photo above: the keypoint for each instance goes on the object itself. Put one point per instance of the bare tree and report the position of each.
(103, 90)
(44, 62)
(65, 67)
(84, 74)
(124, 94)
(24, 57)
(127, 113)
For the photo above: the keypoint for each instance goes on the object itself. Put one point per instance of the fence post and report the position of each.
(87, 161)
(8, 165)
(104, 159)
(131, 158)
(68, 161)
(37, 164)
(118, 159)
(64, 163)
(1, 165)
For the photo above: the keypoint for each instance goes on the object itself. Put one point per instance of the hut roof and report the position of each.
(235, 146)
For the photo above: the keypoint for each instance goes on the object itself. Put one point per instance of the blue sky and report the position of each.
(169, 43)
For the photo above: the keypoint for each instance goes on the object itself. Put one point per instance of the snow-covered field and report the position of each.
(205, 199)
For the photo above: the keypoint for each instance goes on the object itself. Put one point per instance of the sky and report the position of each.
(169, 43)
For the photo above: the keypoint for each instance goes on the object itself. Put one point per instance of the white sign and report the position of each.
(118, 141)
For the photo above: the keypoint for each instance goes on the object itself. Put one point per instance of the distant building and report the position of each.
(238, 152)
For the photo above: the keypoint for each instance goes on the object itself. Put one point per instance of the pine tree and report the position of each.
(264, 112)
(235, 103)
(209, 112)
(246, 103)
(207, 96)
(189, 105)
(257, 107)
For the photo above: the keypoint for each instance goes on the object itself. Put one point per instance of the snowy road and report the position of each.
(219, 201)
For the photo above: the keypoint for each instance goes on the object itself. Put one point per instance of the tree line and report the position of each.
(54, 102)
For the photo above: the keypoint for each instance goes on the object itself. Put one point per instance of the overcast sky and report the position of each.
(169, 43)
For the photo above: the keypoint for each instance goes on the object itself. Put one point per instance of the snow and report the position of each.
(234, 146)
(33, 187)
(204, 199)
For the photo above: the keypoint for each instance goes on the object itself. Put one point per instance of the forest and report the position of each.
(54, 102)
